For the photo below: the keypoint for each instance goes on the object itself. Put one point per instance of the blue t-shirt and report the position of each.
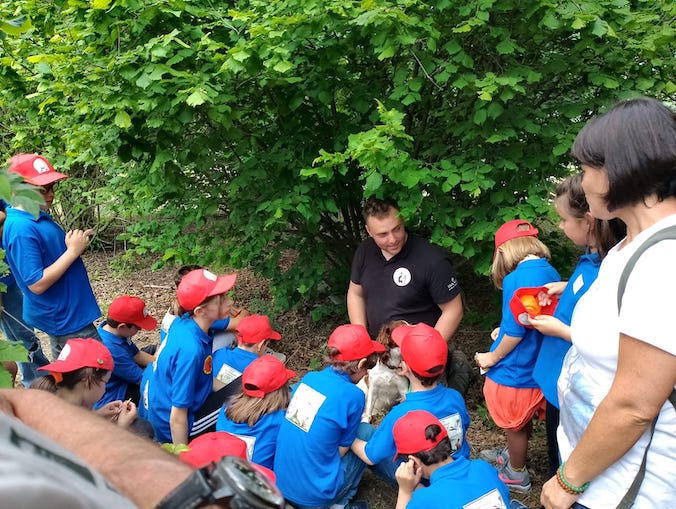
(31, 245)
(125, 372)
(462, 484)
(230, 363)
(516, 368)
(261, 438)
(323, 415)
(553, 350)
(180, 376)
(444, 403)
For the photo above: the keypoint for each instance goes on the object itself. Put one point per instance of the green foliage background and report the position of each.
(248, 132)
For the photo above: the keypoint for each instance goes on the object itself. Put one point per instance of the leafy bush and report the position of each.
(247, 133)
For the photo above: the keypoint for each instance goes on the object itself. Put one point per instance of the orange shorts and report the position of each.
(510, 407)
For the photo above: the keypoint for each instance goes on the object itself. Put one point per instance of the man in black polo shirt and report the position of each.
(401, 276)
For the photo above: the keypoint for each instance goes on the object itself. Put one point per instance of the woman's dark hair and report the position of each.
(605, 233)
(441, 452)
(635, 143)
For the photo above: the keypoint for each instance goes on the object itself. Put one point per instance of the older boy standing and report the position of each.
(45, 261)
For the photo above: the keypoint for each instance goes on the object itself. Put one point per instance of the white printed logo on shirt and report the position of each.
(401, 276)
(304, 406)
(227, 374)
(491, 500)
(453, 425)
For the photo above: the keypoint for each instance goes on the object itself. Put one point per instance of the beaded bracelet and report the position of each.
(567, 487)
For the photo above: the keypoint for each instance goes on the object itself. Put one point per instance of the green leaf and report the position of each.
(16, 26)
(283, 66)
(13, 351)
(100, 4)
(122, 119)
(198, 97)
(373, 182)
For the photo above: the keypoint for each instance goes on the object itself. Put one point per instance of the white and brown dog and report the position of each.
(384, 388)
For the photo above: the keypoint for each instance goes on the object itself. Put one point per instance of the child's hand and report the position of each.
(408, 476)
(127, 415)
(556, 288)
(495, 333)
(550, 326)
(109, 410)
(486, 360)
(78, 240)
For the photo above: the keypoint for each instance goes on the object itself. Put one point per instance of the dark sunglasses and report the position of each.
(46, 189)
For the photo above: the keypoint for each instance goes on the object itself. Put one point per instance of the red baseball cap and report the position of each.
(521, 312)
(265, 375)
(353, 342)
(35, 169)
(212, 446)
(423, 348)
(253, 329)
(131, 310)
(81, 353)
(199, 284)
(409, 432)
(513, 230)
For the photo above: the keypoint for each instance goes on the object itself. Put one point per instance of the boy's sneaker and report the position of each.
(497, 456)
(515, 481)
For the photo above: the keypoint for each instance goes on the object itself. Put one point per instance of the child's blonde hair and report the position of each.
(510, 253)
(249, 409)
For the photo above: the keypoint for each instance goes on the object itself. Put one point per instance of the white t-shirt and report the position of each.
(648, 313)
(36, 472)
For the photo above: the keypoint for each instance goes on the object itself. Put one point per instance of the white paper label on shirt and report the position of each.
(401, 276)
(453, 425)
(304, 406)
(227, 374)
(491, 500)
(578, 283)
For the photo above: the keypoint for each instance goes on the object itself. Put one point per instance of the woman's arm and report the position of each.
(644, 379)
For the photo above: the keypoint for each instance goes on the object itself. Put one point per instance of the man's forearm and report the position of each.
(356, 305)
(137, 468)
(449, 321)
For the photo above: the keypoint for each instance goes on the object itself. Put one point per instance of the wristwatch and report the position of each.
(231, 479)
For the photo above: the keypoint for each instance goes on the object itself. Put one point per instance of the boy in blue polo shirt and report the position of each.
(252, 334)
(313, 464)
(46, 262)
(126, 316)
(424, 354)
(455, 483)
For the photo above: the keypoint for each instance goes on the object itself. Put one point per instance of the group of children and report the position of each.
(311, 436)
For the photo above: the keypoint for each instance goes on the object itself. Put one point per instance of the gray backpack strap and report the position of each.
(668, 233)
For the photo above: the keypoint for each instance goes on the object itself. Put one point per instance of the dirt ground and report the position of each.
(302, 343)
